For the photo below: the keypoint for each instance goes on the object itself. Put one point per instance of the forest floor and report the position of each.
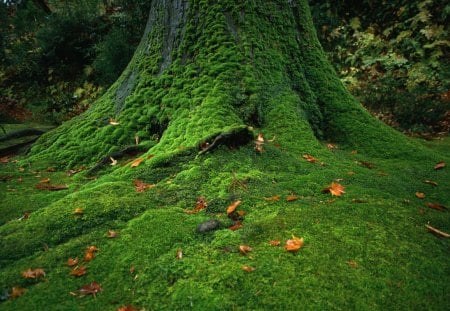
(138, 244)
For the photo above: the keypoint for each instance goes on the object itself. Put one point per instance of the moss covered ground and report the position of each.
(368, 249)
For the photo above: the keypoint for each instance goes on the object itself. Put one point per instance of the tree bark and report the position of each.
(203, 69)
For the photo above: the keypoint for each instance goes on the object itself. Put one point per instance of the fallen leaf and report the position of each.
(78, 271)
(25, 216)
(274, 242)
(199, 205)
(354, 152)
(237, 225)
(78, 211)
(233, 207)
(90, 289)
(113, 121)
(90, 253)
(244, 249)
(274, 198)
(369, 165)
(248, 268)
(241, 213)
(72, 262)
(75, 171)
(4, 160)
(420, 195)
(51, 169)
(179, 254)
(437, 206)
(136, 162)
(51, 187)
(294, 244)
(113, 161)
(335, 189)
(141, 186)
(430, 182)
(291, 197)
(310, 158)
(439, 165)
(111, 234)
(20, 179)
(259, 143)
(332, 146)
(17, 292)
(33, 273)
(127, 308)
(352, 264)
(44, 181)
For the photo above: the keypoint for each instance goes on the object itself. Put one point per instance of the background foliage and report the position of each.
(392, 55)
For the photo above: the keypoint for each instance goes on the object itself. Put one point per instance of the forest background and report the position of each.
(57, 57)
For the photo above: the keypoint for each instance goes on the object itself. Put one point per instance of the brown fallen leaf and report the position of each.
(90, 253)
(89, 289)
(111, 234)
(244, 249)
(51, 169)
(237, 225)
(17, 291)
(369, 165)
(274, 198)
(179, 254)
(44, 181)
(127, 308)
(51, 187)
(233, 207)
(335, 189)
(248, 268)
(275, 242)
(4, 160)
(137, 162)
(199, 205)
(332, 146)
(420, 195)
(75, 171)
(294, 244)
(33, 273)
(430, 182)
(439, 165)
(310, 158)
(437, 206)
(292, 197)
(72, 262)
(78, 271)
(141, 186)
(352, 264)
(78, 211)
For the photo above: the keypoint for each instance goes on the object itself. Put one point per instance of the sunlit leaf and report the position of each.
(294, 244)
(248, 268)
(233, 207)
(335, 189)
(136, 162)
(78, 211)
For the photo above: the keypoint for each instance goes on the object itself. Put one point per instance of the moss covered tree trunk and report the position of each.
(204, 68)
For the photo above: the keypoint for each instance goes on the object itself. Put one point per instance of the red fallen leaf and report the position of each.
(274, 198)
(310, 158)
(72, 262)
(142, 186)
(294, 244)
(179, 254)
(335, 189)
(78, 271)
(274, 242)
(89, 289)
(111, 234)
(430, 182)
(44, 181)
(439, 165)
(127, 308)
(248, 268)
(291, 197)
(33, 273)
(51, 187)
(233, 207)
(136, 162)
(437, 206)
(420, 195)
(17, 292)
(236, 226)
(259, 143)
(244, 249)
(199, 205)
(78, 211)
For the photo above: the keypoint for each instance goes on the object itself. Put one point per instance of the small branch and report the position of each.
(437, 232)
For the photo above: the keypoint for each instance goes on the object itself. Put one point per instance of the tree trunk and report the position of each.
(204, 69)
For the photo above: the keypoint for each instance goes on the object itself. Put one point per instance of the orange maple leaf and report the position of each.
(233, 207)
(72, 262)
(294, 244)
(335, 189)
(274, 242)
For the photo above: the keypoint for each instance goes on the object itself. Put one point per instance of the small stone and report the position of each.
(208, 225)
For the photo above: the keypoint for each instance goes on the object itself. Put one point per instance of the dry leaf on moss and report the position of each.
(233, 207)
(294, 244)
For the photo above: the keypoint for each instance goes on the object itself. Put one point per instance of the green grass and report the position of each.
(372, 255)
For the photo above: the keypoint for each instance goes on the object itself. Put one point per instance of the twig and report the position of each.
(437, 232)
